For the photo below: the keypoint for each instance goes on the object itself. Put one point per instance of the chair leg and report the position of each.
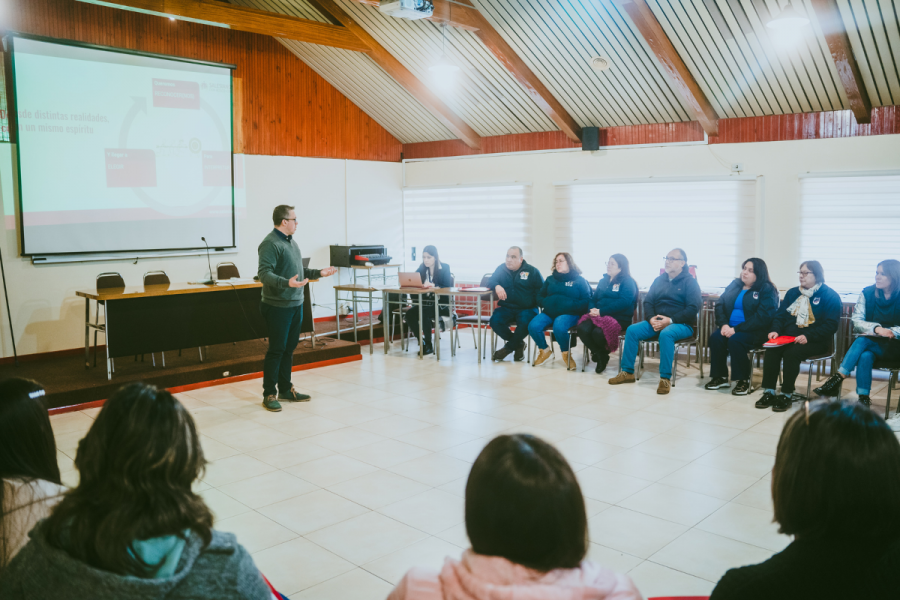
(584, 359)
(809, 382)
(887, 403)
(621, 344)
(163, 354)
(639, 370)
(153, 356)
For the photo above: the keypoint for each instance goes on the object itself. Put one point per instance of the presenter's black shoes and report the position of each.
(742, 388)
(502, 353)
(602, 361)
(865, 400)
(831, 387)
(767, 401)
(293, 396)
(716, 383)
(427, 349)
(519, 356)
(271, 403)
(782, 403)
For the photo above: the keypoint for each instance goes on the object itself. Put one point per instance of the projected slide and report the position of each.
(120, 152)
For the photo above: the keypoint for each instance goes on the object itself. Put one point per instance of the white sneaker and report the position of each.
(894, 422)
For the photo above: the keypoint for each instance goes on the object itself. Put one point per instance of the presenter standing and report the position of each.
(280, 269)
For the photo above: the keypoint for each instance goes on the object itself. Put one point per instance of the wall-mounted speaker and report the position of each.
(590, 138)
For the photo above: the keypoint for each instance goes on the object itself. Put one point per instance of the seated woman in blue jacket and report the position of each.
(810, 313)
(611, 310)
(744, 316)
(435, 274)
(563, 299)
(876, 319)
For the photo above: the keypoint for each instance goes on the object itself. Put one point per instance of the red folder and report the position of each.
(781, 340)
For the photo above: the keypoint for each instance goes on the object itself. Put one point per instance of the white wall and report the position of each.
(334, 198)
(777, 165)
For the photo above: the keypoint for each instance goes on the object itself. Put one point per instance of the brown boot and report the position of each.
(542, 357)
(568, 360)
(622, 377)
(664, 386)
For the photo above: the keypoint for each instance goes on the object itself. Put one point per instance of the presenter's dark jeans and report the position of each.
(504, 317)
(737, 346)
(284, 335)
(791, 355)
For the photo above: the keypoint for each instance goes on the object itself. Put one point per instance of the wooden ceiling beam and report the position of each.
(675, 70)
(832, 24)
(402, 75)
(245, 19)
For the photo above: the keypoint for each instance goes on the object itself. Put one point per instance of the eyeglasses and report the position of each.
(671, 258)
(294, 220)
(805, 273)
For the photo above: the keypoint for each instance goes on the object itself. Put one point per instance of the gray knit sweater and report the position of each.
(279, 260)
(223, 570)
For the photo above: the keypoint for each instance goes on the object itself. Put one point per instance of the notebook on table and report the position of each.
(781, 340)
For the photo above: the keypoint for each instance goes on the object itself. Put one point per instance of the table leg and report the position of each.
(480, 341)
(437, 327)
(87, 333)
(386, 310)
(421, 355)
(452, 341)
(355, 322)
(337, 315)
(371, 326)
(108, 359)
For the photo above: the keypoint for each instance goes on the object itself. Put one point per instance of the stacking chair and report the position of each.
(480, 324)
(227, 270)
(679, 344)
(754, 353)
(105, 281)
(818, 361)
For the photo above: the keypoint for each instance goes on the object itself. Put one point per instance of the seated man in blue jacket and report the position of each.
(516, 284)
(670, 311)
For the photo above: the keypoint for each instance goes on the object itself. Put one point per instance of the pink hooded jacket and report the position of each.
(478, 577)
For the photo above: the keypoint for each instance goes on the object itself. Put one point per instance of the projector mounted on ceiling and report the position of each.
(407, 9)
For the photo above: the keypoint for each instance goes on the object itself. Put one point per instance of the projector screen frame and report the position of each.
(9, 46)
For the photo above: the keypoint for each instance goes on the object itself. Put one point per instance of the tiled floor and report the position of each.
(338, 497)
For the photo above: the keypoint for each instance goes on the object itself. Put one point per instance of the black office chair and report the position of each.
(157, 278)
(105, 281)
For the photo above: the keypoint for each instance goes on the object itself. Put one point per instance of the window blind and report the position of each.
(471, 227)
(850, 224)
(712, 221)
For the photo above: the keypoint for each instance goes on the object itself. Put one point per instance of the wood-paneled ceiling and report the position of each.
(671, 61)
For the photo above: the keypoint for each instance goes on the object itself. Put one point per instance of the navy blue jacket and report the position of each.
(678, 299)
(759, 308)
(826, 308)
(616, 300)
(522, 286)
(888, 317)
(564, 294)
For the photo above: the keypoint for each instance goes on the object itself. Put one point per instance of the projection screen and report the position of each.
(121, 151)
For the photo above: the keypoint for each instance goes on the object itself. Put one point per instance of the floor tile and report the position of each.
(270, 488)
(312, 511)
(431, 511)
(672, 504)
(616, 435)
(331, 470)
(632, 532)
(387, 453)
(707, 555)
(608, 486)
(394, 425)
(433, 469)
(256, 532)
(378, 489)
(656, 580)
(348, 438)
(429, 553)
(436, 438)
(708, 480)
(222, 505)
(745, 524)
(612, 559)
(234, 468)
(290, 454)
(641, 465)
(587, 452)
(353, 585)
(737, 461)
(299, 564)
(366, 538)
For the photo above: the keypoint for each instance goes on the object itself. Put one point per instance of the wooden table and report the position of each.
(156, 318)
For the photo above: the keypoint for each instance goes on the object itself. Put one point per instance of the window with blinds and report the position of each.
(471, 227)
(850, 224)
(713, 221)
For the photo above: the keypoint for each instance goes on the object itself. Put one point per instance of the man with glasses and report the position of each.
(670, 311)
(516, 284)
(280, 266)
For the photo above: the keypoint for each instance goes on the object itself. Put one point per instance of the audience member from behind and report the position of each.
(133, 528)
(526, 520)
(836, 489)
(516, 284)
(29, 475)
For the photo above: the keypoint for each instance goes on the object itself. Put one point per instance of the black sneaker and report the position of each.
(742, 388)
(767, 401)
(866, 401)
(602, 361)
(716, 383)
(427, 349)
(831, 387)
(293, 396)
(519, 356)
(782, 403)
(501, 354)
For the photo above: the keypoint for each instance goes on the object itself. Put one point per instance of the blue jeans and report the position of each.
(503, 317)
(561, 326)
(667, 338)
(283, 325)
(862, 355)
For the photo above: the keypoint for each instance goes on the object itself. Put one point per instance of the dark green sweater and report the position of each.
(279, 260)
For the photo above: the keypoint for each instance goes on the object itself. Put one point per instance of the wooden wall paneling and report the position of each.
(286, 108)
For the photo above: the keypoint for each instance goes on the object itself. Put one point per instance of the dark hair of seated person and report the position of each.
(524, 504)
(136, 465)
(837, 475)
(27, 446)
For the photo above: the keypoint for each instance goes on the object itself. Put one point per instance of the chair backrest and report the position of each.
(156, 278)
(227, 270)
(485, 281)
(106, 281)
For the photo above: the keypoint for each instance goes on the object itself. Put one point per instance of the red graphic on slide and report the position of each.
(171, 93)
(216, 169)
(130, 168)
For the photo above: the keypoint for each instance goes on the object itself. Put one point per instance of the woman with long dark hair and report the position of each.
(435, 274)
(29, 475)
(835, 489)
(134, 528)
(876, 320)
(610, 311)
(526, 520)
(744, 316)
